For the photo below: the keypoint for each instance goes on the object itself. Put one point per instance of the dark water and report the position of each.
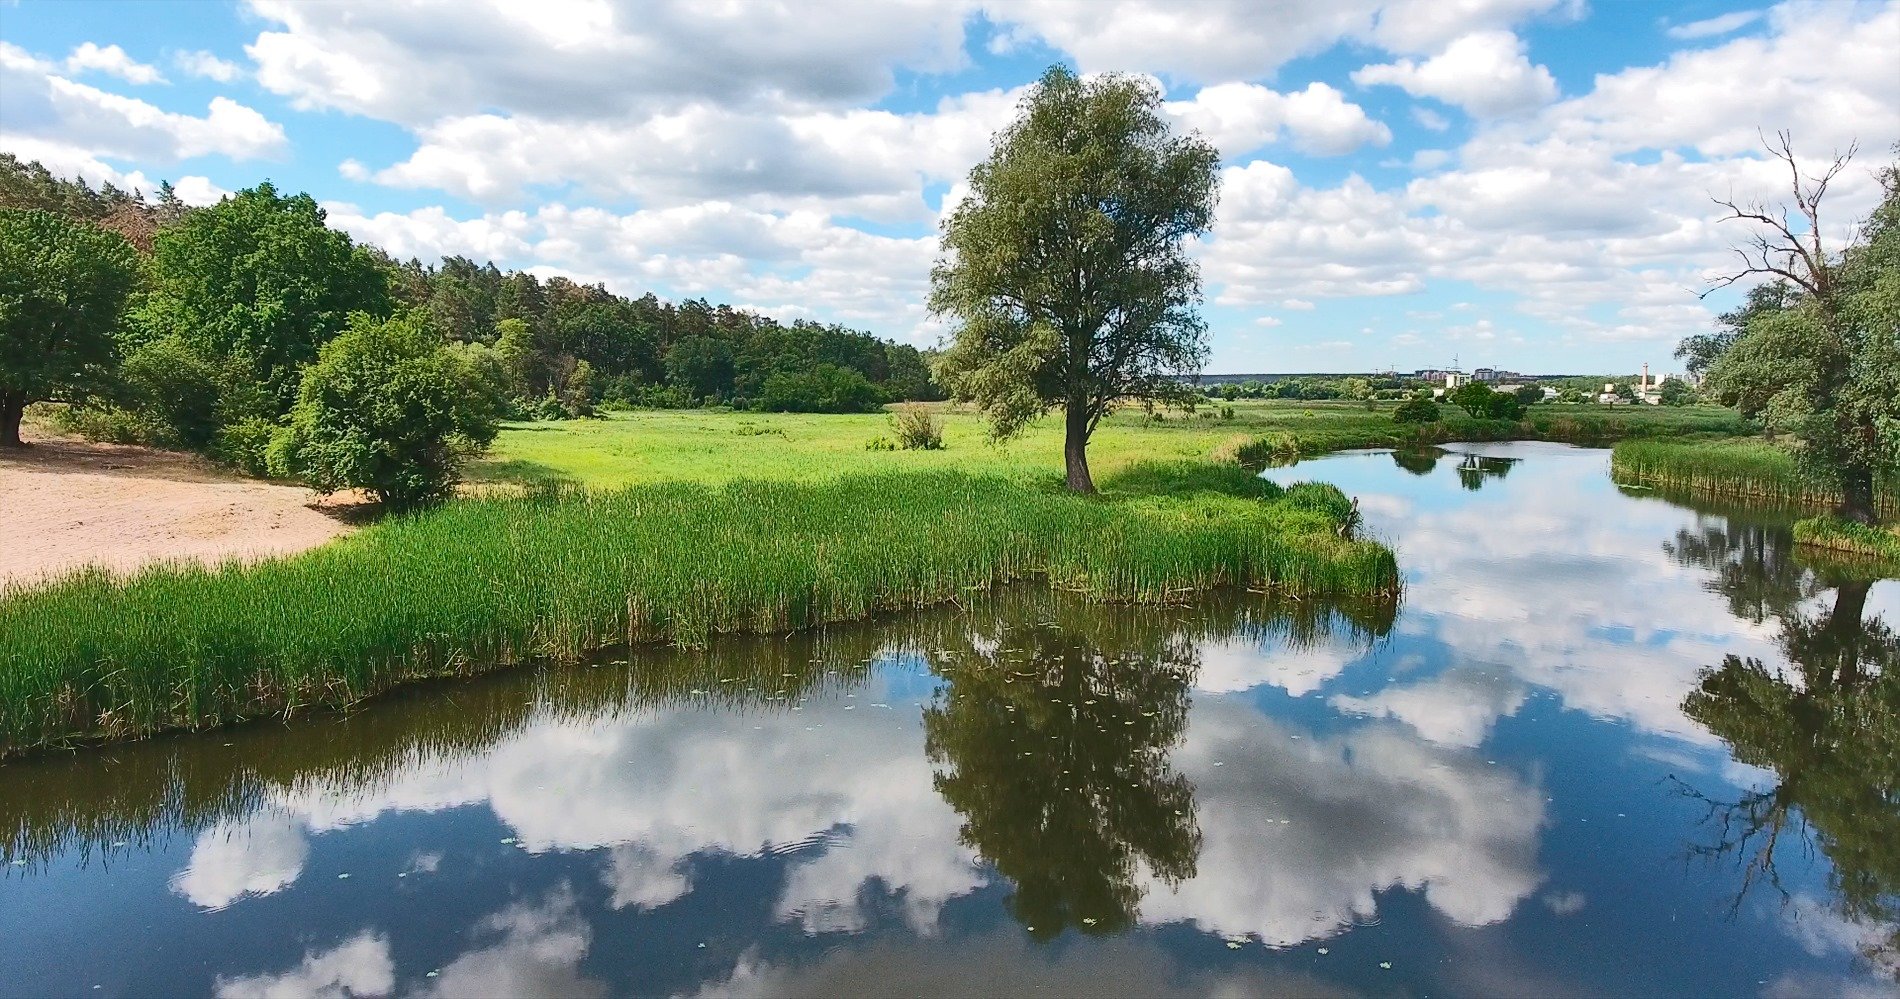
(1518, 782)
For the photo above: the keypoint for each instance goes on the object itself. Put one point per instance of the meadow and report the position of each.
(559, 572)
(718, 445)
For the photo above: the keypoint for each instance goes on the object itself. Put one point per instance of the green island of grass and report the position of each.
(559, 572)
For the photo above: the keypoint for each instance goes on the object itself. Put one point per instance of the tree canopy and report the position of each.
(63, 285)
(1819, 357)
(259, 278)
(1066, 269)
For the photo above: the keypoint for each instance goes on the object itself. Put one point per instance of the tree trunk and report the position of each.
(12, 406)
(1857, 495)
(1075, 449)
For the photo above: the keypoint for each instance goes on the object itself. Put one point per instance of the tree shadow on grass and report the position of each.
(518, 472)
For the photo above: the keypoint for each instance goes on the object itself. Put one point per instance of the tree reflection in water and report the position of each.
(1056, 754)
(1475, 469)
(1827, 725)
(1418, 461)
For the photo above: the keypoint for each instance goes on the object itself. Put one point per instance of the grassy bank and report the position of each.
(501, 579)
(719, 446)
(1747, 468)
(1879, 547)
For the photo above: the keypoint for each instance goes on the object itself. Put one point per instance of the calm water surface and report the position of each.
(1517, 782)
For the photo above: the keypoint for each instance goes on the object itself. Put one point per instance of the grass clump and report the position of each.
(499, 579)
(1877, 545)
(1749, 468)
(918, 427)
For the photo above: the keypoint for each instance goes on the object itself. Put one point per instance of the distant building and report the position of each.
(1453, 379)
(1487, 375)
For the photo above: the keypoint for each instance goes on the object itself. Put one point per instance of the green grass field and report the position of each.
(719, 446)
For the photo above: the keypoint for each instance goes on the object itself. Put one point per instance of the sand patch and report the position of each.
(67, 503)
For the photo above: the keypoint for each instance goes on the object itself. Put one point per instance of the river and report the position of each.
(1606, 744)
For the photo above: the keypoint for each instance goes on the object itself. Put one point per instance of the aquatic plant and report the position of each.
(560, 572)
(1878, 545)
(1751, 468)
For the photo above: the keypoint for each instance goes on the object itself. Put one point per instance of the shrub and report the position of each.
(918, 429)
(385, 408)
(245, 445)
(1482, 403)
(174, 391)
(824, 388)
(1416, 411)
(548, 407)
(880, 443)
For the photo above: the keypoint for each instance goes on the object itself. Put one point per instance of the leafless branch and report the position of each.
(1779, 246)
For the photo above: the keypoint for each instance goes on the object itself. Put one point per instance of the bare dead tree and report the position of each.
(1779, 247)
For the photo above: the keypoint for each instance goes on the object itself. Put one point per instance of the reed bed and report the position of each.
(502, 579)
(1877, 549)
(1748, 468)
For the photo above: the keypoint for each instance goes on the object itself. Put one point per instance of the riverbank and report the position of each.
(675, 526)
(1747, 468)
(490, 581)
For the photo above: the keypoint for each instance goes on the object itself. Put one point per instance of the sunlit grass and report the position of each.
(719, 445)
(1745, 468)
(504, 578)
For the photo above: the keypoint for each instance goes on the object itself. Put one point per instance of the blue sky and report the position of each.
(1517, 183)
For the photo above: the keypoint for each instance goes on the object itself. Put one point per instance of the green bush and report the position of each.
(824, 388)
(1416, 411)
(388, 409)
(245, 445)
(174, 391)
(918, 428)
(1482, 403)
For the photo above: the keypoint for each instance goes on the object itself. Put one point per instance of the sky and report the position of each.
(1521, 184)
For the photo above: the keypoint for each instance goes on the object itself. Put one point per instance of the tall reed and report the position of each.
(489, 581)
(1749, 468)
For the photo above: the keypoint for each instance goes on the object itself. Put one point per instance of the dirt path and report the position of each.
(67, 503)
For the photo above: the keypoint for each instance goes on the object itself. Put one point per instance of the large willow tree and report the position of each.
(1066, 269)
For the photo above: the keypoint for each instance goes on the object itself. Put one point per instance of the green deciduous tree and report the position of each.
(826, 388)
(1416, 411)
(701, 365)
(1483, 403)
(1702, 350)
(1825, 367)
(388, 408)
(1066, 269)
(63, 286)
(261, 279)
